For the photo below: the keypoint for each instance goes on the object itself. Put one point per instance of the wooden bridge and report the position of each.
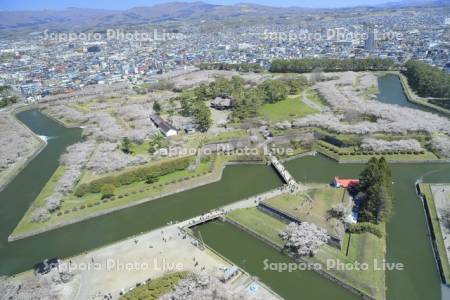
(284, 173)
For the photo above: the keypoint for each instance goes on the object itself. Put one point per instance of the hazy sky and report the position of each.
(121, 4)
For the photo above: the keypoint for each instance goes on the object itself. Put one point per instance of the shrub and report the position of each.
(365, 227)
(107, 190)
(135, 175)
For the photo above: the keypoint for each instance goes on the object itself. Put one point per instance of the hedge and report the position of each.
(365, 227)
(135, 175)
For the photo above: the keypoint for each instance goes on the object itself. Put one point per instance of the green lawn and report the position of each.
(364, 248)
(154, 289)
(314, 96)
(225, 136)
(300, 207)
(426, 191)
(140, 148)
(74, 207)
(290, 108)
(259, 222)
(343, 154)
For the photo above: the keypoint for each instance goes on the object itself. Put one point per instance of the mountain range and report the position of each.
(78, 19)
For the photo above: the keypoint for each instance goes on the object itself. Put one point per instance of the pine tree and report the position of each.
(375, 191)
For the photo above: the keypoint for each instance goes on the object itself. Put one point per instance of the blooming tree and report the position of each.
(383, 146)
(204, 287)
(304, 238)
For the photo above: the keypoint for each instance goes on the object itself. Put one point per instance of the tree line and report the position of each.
(6, 96)
(426, 80)
(307, 65)
(375, 191)
(247, 99)
(242, 67)
(135, 175)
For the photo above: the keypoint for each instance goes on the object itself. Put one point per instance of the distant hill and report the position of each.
(77, 19)
(415, 3)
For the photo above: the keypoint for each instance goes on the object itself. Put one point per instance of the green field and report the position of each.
(343, 154)
(290, 108)
(154, 289)
(432, 215)
(363, 248)
(261, 223)
(314, 96)
(225, 136)
(74, 207)
(300, 206)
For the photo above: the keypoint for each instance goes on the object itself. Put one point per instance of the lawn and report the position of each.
(300, 207)
(225, 136)
(259, 222)
(77, 208)
(347, 154)
(314, 96)
(154, 289)
(432, 215)
(364, 248)
(290, 108)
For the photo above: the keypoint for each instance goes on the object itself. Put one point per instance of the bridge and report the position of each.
(203, 218)
(284, 173)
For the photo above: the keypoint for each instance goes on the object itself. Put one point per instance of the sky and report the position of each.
(125, 4)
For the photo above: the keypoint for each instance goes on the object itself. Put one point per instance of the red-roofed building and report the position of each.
(345, 183)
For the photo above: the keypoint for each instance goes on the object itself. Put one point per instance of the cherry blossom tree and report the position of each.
(303, 239)
(441, 144)
(204, 287)
(383, 146)
(108, 157)
(16, 142)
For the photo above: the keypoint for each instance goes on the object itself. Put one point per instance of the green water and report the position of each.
(238, 182)
(391, 92)
(407, 241)
(250, 254)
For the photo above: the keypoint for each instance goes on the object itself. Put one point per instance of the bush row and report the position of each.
(365, 227)
(135, 175)
(337, 151)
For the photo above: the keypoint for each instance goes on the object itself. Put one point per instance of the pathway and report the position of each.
(288, 178)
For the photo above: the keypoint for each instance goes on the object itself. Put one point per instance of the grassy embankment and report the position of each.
(154, 289)
(436, 228)
(363, 248)
(350, 154)
(414, 98)
(301, 208)
(290, 108)
(92, 204)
